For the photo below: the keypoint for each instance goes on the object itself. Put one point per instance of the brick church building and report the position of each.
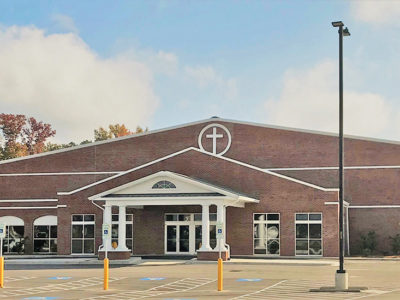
(273, 189)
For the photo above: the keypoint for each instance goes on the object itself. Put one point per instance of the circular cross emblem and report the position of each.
(215, 138)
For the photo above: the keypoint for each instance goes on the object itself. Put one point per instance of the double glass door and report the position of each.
(183, 233)
(178, 239)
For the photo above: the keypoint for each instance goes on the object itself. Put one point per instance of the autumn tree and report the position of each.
(114, 131)
(35, 135)
(22, 137)
(11, 127)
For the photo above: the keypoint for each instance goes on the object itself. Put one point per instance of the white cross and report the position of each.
(214, 136)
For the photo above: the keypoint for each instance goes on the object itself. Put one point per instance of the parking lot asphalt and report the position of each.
(178, 280)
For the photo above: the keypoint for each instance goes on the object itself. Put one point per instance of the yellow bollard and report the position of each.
(220, 275)
(1, 271)
(106, 274)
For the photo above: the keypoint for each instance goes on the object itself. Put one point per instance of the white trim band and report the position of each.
(32, 207)
(331, 168)
(27, 200)
(374, 206)
(59, 173)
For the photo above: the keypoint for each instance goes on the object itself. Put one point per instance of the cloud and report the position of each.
(57, 78)
(309, 99)
(207, 76)
(64, 23)
(380, 12)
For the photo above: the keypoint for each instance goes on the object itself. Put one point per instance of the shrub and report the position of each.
(368, 243)
(395, 243)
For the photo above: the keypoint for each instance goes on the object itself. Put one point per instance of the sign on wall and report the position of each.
(106, 231)
(2, 231)
(220, 230)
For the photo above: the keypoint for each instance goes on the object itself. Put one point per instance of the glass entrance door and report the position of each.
(183, 232)
(178, 239)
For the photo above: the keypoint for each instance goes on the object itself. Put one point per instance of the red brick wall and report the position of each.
(275, 195)
(384, 221)
(260, 146)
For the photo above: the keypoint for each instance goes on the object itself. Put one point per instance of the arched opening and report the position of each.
(14, 239)
(45, 234)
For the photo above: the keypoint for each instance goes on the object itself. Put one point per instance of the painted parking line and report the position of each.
(82, 283)
(12, 279)
(299, 289)
(181, 285)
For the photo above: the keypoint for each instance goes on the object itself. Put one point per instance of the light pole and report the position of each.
(341, 277)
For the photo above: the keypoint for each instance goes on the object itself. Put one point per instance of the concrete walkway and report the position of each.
(69, 261)
(249, 261)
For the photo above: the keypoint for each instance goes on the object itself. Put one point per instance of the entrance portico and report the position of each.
(170, 189)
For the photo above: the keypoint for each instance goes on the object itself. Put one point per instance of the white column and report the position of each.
(122, 228)
(205, 228)
(107, 220)
(220, 219)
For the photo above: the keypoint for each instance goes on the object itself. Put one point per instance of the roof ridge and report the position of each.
(213, 119)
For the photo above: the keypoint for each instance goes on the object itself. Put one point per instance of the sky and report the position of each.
(79, 65)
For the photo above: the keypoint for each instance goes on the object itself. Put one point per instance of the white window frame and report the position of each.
(83, 222)
(49, 221)
(192, 232)
(267, 222)
(12, 221)
(308, 222)
(117, 223)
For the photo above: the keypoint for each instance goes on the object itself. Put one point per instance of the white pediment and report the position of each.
(183, 190)
(146, 187)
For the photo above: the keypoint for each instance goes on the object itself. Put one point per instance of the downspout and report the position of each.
(101, 246)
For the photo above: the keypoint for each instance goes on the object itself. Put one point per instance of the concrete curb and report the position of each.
(283, 262)
(70, 261)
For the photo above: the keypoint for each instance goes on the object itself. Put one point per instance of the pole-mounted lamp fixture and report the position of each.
(341, 278)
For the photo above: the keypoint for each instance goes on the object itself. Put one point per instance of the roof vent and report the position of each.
(214, 117)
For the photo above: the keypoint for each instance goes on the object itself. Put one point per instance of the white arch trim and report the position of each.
(45, 221)
(11, 221)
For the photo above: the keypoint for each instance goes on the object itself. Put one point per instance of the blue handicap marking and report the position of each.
(41, 298)
(179, 299)
(59, 278)
(219, 230)
(152, 278)
(249, 279)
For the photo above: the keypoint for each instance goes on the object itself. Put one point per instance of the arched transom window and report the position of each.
(164, 184)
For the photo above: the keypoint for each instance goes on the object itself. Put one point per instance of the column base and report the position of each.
(212, 255)
(341, 281)
(115, 255)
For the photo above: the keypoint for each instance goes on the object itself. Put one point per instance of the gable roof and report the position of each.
(213, 119)
(175, 176)
(206, 153)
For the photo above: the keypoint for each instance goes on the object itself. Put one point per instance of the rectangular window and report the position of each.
(82, 234)
(45, 238)
(266, 233)
(128, 231)
(309, 234)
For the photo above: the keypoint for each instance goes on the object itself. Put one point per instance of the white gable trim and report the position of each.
(207, 153)
(173, 176)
